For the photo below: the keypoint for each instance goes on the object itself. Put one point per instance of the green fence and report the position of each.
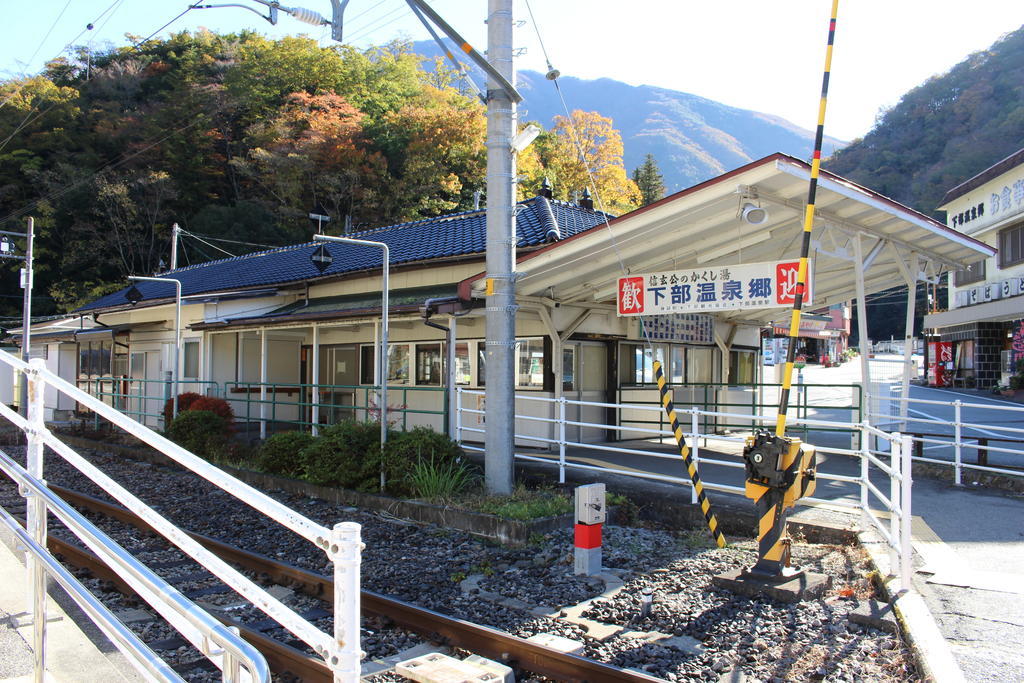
(830, 402)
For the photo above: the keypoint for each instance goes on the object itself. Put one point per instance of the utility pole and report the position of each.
(499, 439)
(175, 232)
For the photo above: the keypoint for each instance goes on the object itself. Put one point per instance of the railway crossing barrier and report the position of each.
(883, 479)
(233, 656)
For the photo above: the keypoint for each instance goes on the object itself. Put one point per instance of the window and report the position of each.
(367, 364)
(700, 365)
(94, 359)
(972, 273)
(463, 369)
(481, 364)
(428, 364)
(637, 363)
(677, 368)
(530, 363)
(190, 361)
(1011, 246)
(398, 364)
(741, 367)
(569, 368)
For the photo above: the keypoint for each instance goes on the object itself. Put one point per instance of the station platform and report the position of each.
(76, 650)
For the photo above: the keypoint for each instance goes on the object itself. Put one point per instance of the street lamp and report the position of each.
(382, 351)
(134, 296)
(7, 251)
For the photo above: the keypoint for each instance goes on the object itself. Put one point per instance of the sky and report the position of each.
(762, 55)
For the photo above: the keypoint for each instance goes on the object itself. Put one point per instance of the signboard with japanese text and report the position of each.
(691, 328)
(718, 288)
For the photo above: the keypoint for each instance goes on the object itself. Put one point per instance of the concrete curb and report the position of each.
(932, 654)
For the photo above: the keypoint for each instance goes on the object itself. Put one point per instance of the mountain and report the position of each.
(692, 138)
(946, 130)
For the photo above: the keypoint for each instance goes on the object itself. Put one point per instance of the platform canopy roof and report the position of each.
(702, 226)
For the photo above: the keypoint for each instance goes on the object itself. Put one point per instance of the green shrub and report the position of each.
(438, 481)
(203, 432)
(280, 454)
(346, 454)
(420, 444)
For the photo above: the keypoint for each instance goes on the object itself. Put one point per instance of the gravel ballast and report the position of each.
(693, 631)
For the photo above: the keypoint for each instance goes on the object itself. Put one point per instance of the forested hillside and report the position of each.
(237, 137)
(946, 130)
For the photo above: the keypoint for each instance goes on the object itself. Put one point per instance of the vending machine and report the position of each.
(940, 363)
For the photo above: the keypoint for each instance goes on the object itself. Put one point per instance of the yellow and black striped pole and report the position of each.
(684, 450)
(805, 247)
(781, 470)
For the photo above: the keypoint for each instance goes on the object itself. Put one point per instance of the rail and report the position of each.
(341, 543)
(888, 464)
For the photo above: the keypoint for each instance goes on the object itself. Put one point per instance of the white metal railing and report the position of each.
(917, 418)
(341, 544)
(890, 460)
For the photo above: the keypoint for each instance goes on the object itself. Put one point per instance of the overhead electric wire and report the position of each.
(222, 239)
(186, 11)
(373, 27)
(52, 26)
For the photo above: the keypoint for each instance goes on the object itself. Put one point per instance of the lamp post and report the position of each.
(7, 251)
(134, 299)
(321, 256)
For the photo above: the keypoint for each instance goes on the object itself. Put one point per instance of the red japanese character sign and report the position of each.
(787, 276)
(631, 295)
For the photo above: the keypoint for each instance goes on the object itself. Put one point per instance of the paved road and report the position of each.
(968, 542)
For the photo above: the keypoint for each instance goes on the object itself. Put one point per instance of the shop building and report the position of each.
(984, 325)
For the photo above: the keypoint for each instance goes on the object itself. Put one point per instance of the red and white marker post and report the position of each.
(590, 518)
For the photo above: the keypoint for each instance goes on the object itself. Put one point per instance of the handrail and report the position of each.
(341, 543)
(120, 635)
(188, 618)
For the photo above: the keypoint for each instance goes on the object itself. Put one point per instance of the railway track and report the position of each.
(428, 624)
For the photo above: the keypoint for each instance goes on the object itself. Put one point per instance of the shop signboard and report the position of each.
(717, 288)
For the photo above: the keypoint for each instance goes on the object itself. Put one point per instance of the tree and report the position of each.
(649, 181)
(587, 146)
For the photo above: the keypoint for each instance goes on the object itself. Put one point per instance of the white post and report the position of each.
(315, 381)
(895, 466)
(865, 472)
(906, 484)
(561, 439)
(263, 383)
(908, 340)
(958, 469)
(458, 415)
(36, 515)
(453, 375)
(345, 552)
(862, 329)
(695, 451)
(501, 248)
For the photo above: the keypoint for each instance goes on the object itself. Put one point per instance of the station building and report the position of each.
(985, 322)
(290, 345)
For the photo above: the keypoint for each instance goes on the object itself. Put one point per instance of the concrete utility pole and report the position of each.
(175, 232)
(501, 296)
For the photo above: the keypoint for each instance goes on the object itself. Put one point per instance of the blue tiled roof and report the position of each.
(446, 236)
